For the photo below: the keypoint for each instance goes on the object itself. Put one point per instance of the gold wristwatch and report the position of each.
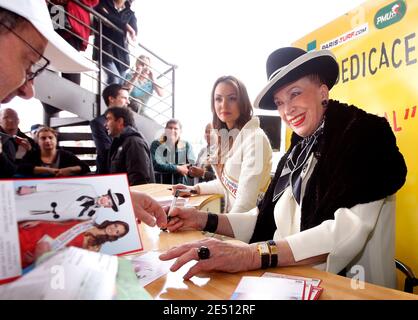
(274, 253)
(264, 252)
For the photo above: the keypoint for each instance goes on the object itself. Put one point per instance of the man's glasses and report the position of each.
(38, 66)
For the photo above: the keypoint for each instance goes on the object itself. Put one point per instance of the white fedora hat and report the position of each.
(63, 57)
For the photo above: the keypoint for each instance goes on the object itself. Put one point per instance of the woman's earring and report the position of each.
(324, 103)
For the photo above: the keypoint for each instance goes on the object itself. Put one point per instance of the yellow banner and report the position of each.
(376, 46)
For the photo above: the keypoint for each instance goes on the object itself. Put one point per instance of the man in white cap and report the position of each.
(28, 45)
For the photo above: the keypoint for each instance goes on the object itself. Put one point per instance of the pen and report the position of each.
(173, 204)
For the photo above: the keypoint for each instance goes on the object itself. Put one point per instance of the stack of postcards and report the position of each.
(274, 286)
(312, 289)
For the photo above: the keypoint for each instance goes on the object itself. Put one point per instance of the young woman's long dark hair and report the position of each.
(244, 103)
(98, 240)
(225, 140)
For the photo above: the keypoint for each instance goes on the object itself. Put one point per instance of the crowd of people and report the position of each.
(323, 207)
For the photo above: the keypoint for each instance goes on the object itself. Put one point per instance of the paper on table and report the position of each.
(310, 283)
(71, 273)
(165, 201)
(266, 288)
(315, 293)
(148, 267)
(127, 287)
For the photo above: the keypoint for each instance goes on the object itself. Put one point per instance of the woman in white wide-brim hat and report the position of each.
(329, 204)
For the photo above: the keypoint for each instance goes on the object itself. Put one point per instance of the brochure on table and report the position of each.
(93, 212)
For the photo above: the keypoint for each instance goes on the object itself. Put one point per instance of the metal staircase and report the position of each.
(84, 102)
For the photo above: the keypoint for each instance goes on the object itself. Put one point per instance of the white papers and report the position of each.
(148, 267)
(266, 288)
(10, 265)
(312, 289)
(72, 273)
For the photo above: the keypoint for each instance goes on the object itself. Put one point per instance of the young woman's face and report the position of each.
(172, 132)
(115, 229)
(300, 105)
(47, 141)
(226, 103)
(142, 66)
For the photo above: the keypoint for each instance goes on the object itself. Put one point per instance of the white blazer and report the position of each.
(246, 173)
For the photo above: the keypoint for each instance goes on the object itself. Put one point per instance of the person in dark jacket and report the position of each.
(47, 160)
(202, 170)
(129, 151)
(114, 95)
(7, 156)
(116, 61)
(15, 144)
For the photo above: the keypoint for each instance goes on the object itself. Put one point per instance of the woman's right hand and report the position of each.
(186, 219)
(196, 172)
(183, 169)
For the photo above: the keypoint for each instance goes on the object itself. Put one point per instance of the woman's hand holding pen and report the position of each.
(186, 219)
(193, 189)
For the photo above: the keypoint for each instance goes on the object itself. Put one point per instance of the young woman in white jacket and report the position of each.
(242, 161)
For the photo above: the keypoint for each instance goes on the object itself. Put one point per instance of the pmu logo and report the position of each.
(390, 14)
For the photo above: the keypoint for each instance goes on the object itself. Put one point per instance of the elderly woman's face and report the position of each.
(300, 105)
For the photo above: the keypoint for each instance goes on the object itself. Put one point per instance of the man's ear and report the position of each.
(111, 100)
(120, 122)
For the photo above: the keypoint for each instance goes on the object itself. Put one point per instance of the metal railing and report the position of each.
(158, 108)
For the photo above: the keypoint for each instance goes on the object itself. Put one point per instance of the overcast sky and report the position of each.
(208, 39)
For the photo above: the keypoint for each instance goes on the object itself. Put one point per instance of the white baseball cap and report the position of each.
(63, 57)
